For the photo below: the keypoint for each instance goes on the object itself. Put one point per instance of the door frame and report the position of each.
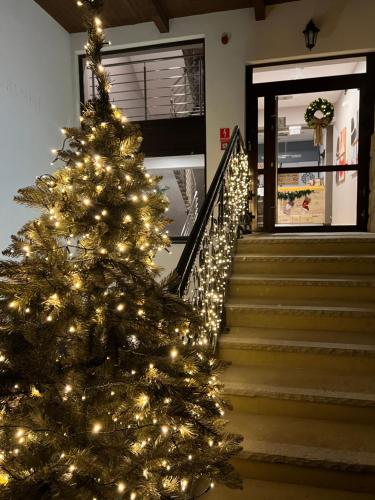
(365, 82)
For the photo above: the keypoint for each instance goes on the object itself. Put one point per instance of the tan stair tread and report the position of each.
(308, 237)
(323, 443)
(305, 257)
(300, 383)
(328, 280)
(298, 340)
(339, 306)
(254, 489)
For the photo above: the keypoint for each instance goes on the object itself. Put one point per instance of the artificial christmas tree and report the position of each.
(106, 389)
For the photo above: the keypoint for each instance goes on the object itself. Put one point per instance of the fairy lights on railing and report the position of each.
(207, 280)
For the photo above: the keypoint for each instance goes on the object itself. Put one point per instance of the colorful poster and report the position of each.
(341, 148)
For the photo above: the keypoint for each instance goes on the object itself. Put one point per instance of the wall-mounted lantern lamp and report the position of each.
(311, 34)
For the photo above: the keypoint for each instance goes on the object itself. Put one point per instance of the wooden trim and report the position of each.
(159, 16)
(260, 10)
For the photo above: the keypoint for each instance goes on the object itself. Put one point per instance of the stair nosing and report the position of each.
(296, 346)
(305, 258)
(304, 310)
(280, 455)
(330, 280)
(299, 394)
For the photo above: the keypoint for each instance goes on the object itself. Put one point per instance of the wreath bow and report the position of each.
(318, 124)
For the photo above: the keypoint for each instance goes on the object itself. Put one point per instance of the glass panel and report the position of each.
(325, 198)
(183, 181)
(154, 84)
(296, 141)
(312, 69)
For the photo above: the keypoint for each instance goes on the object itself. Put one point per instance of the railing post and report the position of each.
(145, 87)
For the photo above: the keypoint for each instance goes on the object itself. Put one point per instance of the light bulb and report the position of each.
(97, 428)
(121, 487)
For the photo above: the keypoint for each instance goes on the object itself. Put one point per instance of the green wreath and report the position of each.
(325, 107)
(292, 195)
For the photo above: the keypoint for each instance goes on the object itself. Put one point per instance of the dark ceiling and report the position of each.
(123, 12)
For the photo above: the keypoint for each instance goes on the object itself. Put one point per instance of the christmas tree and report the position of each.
(106, 388)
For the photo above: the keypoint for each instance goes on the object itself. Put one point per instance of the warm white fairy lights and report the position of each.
(212, 271)
(93, 171)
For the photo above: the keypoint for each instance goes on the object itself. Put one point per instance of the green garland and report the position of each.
(292, 195)
(322, 105)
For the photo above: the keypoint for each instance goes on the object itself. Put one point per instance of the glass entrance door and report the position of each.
(312, 143)
(317, 165)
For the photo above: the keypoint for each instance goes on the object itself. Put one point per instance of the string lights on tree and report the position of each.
(102, 396)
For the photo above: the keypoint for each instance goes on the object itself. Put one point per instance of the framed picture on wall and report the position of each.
(340, 176)
(341, 147)
(341, 155)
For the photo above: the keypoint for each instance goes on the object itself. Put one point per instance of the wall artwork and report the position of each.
(341, 155)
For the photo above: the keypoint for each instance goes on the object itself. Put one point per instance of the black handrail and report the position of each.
(188, 256)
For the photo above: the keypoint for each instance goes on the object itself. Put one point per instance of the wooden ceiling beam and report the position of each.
(260, 9)
(159, 16)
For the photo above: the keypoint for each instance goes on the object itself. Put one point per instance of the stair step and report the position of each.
(355, 288)
(294, 315)
(321, 453)
(254, 489)
(249, 346)
(298, 244)
(304, 264)
(312, 393)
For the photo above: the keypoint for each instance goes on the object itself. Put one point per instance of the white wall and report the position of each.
(346, 26)
(36, 100)
(344, 194)
(168, 261)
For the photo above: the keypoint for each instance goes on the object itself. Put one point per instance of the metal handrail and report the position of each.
(185, 264)
(203, 269)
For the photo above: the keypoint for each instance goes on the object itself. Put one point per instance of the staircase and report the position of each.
(301, 341)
